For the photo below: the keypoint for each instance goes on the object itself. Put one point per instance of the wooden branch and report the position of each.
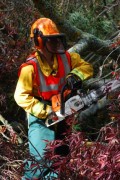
(96, 45)
(10, 129)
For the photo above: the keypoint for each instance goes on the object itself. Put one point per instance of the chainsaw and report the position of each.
(69, 102)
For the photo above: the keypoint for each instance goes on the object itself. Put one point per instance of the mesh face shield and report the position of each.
(55, 44)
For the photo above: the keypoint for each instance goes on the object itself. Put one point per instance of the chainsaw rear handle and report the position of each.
(76, 86)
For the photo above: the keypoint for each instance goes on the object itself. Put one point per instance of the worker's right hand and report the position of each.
(49, 109)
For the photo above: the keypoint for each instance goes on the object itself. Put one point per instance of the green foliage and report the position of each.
(78, 19)
(87, 21)
(100, 18)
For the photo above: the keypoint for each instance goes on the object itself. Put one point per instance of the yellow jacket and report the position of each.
(26, 82)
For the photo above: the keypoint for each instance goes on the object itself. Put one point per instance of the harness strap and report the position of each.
(45, 102)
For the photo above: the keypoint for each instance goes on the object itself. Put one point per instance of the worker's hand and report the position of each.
(48, 110)
(73, 81)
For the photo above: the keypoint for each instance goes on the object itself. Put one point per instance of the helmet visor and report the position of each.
(55, 43)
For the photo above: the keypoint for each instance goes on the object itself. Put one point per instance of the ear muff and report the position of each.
(37, 38)
(40, 43)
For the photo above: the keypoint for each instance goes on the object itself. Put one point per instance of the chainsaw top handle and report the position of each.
(62, 110)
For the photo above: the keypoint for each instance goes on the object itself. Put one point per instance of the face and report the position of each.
(55, 44)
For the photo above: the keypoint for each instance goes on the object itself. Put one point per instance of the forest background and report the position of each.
(92, 29)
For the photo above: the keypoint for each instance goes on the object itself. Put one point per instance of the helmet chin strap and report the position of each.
(45, 54)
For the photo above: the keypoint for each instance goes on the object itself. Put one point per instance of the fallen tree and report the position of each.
(85, 41)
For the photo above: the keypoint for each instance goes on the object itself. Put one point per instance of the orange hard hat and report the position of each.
(43, 27)
(46, 26)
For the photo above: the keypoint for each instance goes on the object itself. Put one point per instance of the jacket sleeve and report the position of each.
(23, 94)
(81, 68)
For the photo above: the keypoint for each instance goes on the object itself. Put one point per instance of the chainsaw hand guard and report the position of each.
(73, 82)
